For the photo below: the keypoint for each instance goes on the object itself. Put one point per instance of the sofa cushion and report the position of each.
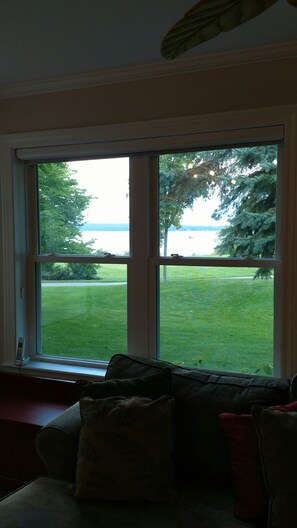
(201, 448)
(125, 449)
(123, 366)
(47, 503)
(200, 398)
(150, 386)
(277, 433)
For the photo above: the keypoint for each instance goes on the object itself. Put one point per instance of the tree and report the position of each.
(61, 211)
(245, 180)
(183, 177)
(248, 195)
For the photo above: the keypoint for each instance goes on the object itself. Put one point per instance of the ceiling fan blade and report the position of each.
(207, 19)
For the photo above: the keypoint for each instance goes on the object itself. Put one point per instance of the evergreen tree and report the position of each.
(248, 196)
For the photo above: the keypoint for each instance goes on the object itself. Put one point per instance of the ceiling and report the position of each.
(45, 39)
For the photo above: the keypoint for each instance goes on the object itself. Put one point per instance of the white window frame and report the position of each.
(270, 124)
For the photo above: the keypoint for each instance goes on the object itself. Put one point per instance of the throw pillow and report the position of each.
(250, 497)
(250, 501)
(151, 386)
(277, 433)
(125, 449)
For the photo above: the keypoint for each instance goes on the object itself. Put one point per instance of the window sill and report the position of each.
(55, 370)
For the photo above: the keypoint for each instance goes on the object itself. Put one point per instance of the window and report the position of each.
(218, 208)
(191, 261)
(83, 213)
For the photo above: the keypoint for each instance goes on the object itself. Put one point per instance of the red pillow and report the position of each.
(250, 499)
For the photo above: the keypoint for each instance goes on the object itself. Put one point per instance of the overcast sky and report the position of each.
(107, 181)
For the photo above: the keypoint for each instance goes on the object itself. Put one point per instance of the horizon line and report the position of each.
(92, 226)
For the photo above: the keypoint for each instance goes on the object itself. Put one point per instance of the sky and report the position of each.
(107, 180)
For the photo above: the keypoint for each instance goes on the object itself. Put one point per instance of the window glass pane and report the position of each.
(84, 207)
(79, 318)
(217, 318)
(218, 202)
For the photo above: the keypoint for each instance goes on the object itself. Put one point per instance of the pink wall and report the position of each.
(230, 88)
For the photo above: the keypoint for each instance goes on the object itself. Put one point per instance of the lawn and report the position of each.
(218, 321)
(209, 317)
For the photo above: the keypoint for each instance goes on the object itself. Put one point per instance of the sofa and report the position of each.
(156, 445)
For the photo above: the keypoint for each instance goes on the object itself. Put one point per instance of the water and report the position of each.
(183, 242)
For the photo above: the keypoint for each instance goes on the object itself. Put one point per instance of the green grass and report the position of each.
(214, 318)
(87, 322)
(218, 323)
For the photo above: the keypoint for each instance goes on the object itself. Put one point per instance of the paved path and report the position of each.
(50, 284)
(89, 283)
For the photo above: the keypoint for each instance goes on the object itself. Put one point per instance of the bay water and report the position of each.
(186, 242)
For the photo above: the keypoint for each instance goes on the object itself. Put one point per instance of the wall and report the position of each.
(261, 84)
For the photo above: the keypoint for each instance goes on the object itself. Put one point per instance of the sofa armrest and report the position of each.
(57, 444)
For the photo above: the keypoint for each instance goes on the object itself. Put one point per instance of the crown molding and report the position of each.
(160, 68)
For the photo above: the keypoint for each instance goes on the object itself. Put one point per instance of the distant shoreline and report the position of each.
(125, 227)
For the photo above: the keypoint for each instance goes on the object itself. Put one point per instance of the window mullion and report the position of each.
(138, 285)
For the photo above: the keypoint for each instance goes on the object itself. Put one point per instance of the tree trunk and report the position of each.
(165, 252)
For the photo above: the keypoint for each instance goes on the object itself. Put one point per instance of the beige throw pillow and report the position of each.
(125, 449)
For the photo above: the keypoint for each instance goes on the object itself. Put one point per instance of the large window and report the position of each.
(173, 244)
(214, 298)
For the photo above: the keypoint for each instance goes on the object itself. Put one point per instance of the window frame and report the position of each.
(175, 133)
